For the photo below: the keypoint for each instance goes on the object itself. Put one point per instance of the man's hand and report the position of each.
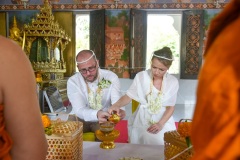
(102, 116)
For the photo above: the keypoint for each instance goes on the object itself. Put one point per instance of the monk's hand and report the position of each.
(155, 128)
(102, 116)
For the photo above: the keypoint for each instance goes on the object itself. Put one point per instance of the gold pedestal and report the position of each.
(107, 138)
(107, 134)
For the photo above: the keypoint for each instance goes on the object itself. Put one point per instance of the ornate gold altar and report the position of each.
(44, 42)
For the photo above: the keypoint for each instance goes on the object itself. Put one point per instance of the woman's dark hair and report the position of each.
(164, 55)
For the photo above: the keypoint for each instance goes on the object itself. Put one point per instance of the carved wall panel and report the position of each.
(138, 41)
(192, 41)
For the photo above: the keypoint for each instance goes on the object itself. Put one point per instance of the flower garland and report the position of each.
(95, 101)
(48, 128)
(104, 83)
(154, 103)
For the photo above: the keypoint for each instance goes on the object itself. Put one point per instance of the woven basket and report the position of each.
(174, 146)
(66, 141)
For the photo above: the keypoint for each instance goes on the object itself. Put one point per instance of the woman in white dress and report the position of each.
(156, 92)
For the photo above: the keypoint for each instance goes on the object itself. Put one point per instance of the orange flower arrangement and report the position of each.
(184, 129)
(47, 124)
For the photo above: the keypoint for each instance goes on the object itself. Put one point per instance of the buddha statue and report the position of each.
(15, 33)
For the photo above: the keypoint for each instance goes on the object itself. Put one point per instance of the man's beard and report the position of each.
(91, 80)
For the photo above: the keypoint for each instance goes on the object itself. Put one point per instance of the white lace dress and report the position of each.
(140, 120)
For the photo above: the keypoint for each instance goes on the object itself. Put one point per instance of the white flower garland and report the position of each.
(154, 104)
(104, 83)
(95, 100)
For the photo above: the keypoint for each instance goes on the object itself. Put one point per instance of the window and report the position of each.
(82, 32)
(164, 30)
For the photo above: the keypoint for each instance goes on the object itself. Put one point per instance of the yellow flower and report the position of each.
(47, 125)
(46, 121)
(184, 129)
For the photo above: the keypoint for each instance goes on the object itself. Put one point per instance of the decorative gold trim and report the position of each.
(120, 6)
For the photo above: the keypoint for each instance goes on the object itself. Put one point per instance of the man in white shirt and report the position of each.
(92, 90)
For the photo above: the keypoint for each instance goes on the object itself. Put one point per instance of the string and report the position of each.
(180, 153)
(169, 59)
(93, 54)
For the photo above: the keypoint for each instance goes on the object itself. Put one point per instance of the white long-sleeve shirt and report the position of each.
(78, 94)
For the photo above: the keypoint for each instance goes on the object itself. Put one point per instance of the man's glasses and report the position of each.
(89, 69)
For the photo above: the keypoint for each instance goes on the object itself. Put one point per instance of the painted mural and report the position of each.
(208, 16)
(117, 42)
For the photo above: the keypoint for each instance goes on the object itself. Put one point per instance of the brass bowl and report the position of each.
(107, 127)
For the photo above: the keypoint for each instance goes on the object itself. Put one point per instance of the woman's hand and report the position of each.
(124, 100)
(114, 108)
(122, 113)
(155, 128)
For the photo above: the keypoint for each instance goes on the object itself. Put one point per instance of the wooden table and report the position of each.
(92, 151)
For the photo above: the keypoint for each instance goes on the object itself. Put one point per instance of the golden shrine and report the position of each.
(44, 42)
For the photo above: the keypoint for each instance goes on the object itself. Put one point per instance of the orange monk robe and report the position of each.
(5, 141)
(216, 120)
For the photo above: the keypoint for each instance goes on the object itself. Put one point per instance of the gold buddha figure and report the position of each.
(15, 33)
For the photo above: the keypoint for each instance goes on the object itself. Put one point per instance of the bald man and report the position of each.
(90, 100)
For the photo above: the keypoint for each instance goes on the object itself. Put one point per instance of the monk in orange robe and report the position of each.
(216, 120)
(22, 134)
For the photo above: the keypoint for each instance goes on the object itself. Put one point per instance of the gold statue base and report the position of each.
(107, 138)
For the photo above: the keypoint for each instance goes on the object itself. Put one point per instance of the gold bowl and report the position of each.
(114, 118)
(107, 127)
(107, 135)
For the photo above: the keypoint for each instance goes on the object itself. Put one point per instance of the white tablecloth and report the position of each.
(92, 151)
